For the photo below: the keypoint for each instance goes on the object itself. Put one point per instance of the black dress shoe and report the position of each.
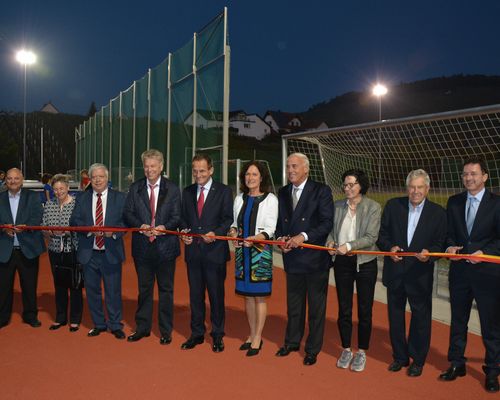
(453, 373)
(166, 340)
(118, 333)
(136, 336)
(34, 324)
(218, 346)
(415, 370)
(55, 327)
(252, 351)
(286, 350)
(246, 346)
(491, 383)
(192, 342)
(396, 366)
(95, 332)
(310, 359)
(74, 328)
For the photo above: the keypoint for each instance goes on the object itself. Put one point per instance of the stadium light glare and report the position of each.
(379, 90)
(25, 58)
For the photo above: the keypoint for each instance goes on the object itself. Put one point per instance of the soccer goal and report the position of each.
(388, 150)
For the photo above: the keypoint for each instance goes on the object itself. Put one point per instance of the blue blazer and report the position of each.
(430, 234)
(312, 215)
(29, 212)
(82, 216)
(485, 234)
(217, 216)
(168, 212)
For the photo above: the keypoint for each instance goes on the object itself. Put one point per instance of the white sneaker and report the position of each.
(345, 359)
(359, 361)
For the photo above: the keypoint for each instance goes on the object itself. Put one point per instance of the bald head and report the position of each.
(14, 180)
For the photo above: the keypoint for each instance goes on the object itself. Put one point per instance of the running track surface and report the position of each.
(42, 364)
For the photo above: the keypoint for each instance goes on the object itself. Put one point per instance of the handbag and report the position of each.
(68, 272)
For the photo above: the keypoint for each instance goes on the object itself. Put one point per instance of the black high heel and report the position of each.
(246, 346)
(253, 352)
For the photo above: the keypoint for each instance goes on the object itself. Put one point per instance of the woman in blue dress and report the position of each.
(255, 217)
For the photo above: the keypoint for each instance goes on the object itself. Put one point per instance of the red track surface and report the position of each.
(43, 364)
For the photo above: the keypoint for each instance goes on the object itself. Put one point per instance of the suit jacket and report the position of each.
(485, 234)
(368, 214)
(312, 215)
(430, 234)
(217, 216)
(82, 216)
(29, 212)
(168, 213)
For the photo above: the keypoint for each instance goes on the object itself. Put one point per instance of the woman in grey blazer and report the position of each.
(356, 226)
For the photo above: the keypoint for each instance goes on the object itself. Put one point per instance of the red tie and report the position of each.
(153, 209)
(201, 201)
(99, 221)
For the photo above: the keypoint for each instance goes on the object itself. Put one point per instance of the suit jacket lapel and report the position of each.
(461, 216)
(162, 193)
(481, 211)
(6, 205)
(21, 206)
(403, 217)
(209, 199)
(194, 202)
(143, 194)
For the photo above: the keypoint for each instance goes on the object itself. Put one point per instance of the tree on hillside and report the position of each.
(92, 110)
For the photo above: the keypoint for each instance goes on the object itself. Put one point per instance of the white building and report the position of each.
(249, 125)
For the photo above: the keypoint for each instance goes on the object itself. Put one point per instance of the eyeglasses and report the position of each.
(349, 185)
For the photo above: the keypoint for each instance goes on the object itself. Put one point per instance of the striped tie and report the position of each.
(99, 221)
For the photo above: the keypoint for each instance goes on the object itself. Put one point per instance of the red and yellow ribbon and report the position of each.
(470, 257)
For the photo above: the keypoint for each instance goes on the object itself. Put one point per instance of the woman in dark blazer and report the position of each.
(356, 227)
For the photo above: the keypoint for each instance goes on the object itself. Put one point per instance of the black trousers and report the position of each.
(205, 276)
(150, 268)
(27, 269)
(61, 294)
(346, 273)
(311, 288)
(466, 285)
(419, 337)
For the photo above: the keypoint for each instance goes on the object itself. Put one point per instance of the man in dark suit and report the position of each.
(154, 202)
(207, 208)
(474, 228)
(305, 215)
(413, 224)
(19, 250)
(101, 253)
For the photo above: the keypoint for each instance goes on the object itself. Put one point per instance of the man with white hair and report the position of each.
(415, 224)
(305, 215)
(101, 253)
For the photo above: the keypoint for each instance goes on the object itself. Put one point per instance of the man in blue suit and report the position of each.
(101, 253)
(305, 215)
(474, 228)
(207, 209)
(19, 250)
(154, 202)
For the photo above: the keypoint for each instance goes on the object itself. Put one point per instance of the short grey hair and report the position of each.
(95, 166)
(152, 153)
(62, 178)
(418, 173)
(302, 156)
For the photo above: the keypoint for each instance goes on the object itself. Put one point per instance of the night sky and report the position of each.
(286, 55)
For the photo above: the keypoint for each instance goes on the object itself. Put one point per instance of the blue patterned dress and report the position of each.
(253, 265)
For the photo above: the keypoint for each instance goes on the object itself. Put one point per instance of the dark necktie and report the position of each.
(201, 201)
(99, 221)
(153, 209)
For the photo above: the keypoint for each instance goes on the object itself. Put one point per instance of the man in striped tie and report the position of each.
(101, 253)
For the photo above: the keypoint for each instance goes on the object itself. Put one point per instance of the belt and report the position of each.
(16, 248)
(99, 251)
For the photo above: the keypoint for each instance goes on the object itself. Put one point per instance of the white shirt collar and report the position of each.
(478, 196)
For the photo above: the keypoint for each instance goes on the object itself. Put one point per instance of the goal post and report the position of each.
(388, 150)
